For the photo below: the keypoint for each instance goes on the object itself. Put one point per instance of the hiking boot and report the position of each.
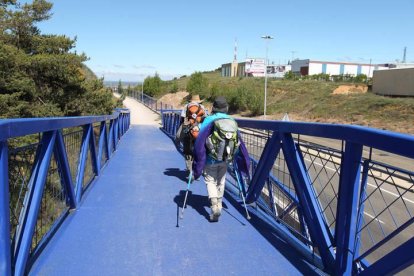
(215, 210)
(214, 217)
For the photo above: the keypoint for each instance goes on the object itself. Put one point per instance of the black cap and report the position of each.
(220, 105)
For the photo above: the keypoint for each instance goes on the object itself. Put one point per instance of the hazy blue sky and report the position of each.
(129, 39)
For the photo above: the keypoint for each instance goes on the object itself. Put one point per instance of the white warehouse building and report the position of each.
(304, 67)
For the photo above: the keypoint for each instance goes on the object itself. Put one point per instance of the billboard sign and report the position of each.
(255, 67)
(277, 71)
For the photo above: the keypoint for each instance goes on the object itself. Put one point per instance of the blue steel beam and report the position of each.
(92, 148)
(10, 128)
(395, 261)
(347, 209)
(270, 152)
(362, 194)
(303, 187)
(38, 178)
(398, 143)
(5, 258)
(115, 137)
(111, 143)
(63, 165)
(103, 145)
(82, 161)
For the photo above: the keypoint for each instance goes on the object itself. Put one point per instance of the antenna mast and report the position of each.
(235, 49)
(404, 55)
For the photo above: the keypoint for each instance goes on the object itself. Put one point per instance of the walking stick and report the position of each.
(241, 190)
(186, 193)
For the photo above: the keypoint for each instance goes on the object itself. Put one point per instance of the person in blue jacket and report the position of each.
(215, 170)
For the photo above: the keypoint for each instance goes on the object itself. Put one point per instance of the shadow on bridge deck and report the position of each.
(128, 221)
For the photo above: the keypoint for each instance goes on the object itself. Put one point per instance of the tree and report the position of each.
(40, 75)
(197, 84)
(152, 85)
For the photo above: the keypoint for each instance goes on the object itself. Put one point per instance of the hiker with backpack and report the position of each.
(219, 143)
(191, 117)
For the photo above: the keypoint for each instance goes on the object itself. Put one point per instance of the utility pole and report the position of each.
(404, 55)
(267, 38)
(293, 55)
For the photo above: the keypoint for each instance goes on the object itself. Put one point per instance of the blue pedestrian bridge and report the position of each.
(97, 196)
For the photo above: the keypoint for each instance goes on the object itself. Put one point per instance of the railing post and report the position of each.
(94, 155)
(37, 180)
(307, 201)
(111, 143)
(347, 210)
(103, 143)
(5, 258)
(362, 194)
(82, 162)
(270, 152)
(63, 164)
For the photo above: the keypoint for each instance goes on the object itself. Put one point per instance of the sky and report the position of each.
(129, 40)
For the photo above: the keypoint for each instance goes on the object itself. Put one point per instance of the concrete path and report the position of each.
(140, 114)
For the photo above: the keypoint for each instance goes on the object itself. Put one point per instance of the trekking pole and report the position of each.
(241, 191)
(186, 193)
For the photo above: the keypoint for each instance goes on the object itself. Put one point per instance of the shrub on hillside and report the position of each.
(197, 84)
(152, 85)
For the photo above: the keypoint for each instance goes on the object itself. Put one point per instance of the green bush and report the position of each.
(174, 87)
(197, 84)
(152, 85)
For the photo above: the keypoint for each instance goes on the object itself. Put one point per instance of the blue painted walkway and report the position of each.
(128, 224)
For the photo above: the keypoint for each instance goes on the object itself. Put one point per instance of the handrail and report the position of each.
(16, 251)
(334, 191)
(10, 128)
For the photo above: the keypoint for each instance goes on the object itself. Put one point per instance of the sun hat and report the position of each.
(196, 98)
(220, 105)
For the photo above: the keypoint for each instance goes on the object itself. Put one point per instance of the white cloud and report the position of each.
(144, 67)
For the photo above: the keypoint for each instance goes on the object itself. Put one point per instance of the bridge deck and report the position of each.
(128, 224)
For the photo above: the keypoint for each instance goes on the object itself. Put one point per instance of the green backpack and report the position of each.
(223, 142)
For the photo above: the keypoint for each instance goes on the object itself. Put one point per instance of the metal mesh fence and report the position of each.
(388, 200)
(53, 204)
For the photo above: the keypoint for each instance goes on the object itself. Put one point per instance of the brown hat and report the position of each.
(196, 98)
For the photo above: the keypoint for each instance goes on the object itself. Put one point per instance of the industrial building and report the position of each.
(305, 67)
(394, 82)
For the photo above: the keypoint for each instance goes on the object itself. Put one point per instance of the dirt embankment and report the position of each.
(350, 89)
(175, 99)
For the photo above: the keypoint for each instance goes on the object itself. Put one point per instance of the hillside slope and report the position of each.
(309, 100)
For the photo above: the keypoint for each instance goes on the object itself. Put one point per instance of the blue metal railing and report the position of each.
(44, 177)
(345, 211)
(148, 101)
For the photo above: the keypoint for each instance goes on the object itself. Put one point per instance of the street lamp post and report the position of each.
(142, 92)
(267, 38)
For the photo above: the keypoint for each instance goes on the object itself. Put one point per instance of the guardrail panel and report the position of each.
(42, 178)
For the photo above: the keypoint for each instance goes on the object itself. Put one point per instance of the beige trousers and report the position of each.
(215, 178)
